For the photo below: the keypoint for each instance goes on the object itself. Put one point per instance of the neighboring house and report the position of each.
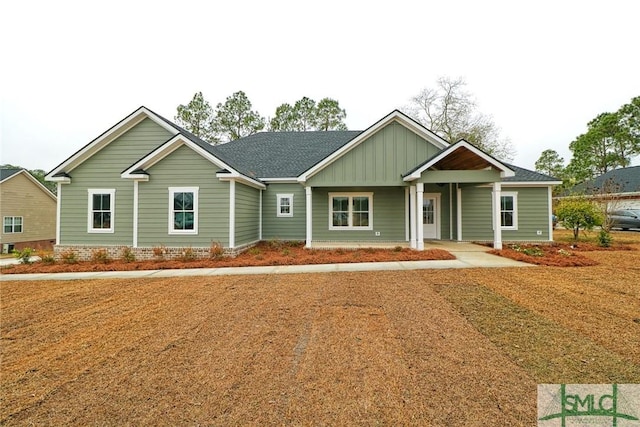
(28, 211)
(147, 183)
(620, 188)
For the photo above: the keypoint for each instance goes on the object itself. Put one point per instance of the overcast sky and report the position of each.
(542, 69)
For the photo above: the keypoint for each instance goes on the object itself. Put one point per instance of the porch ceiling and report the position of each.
(462, 159)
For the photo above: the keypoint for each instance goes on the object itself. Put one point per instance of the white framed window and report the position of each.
(183, 210)
(101, 215)
(509, 210)
(350, 211)
(285, 205)
(12, 224)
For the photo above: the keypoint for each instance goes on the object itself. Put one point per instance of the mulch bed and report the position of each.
(264, 254)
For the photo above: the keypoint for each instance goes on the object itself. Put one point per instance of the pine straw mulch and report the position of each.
(265, 253)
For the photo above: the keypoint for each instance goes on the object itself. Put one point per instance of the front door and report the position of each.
(430, 216)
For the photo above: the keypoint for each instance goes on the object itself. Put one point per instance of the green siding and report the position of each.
(247, 216)
(533, 214)
(388, 215)
(103, 170)
(284, 228)
(183, 168)
(380, 160)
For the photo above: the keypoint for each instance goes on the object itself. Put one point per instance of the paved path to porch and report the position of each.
(467, 255)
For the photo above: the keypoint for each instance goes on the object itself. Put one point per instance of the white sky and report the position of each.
(542, 69)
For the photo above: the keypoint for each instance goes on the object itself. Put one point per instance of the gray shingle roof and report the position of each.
(526, 175)
(625, 180)
(282, 154)
(6, 173)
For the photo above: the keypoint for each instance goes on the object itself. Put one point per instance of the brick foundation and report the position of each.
(86, 252)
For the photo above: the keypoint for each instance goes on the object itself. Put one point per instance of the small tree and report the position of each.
(579, 213)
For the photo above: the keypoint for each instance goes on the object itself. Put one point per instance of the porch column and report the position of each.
(419, 208)
(497, 223)
(412, 216)
(309, 200)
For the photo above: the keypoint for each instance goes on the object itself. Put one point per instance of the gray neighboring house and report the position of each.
(620, 186)
(147, 183)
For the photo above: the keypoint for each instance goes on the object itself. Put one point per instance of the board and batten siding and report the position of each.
(388, 215)
(183, 168)
(247, 218)
(380, 160)
(102, 171)
(284, 228)
(533, 214)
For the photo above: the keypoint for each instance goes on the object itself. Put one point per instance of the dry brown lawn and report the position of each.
(431, 347)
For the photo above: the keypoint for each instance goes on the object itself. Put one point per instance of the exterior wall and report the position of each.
(284, 228)
(388, 216)
(533, 214)
(19, 196)
(103, 170)
(247, 219)
(378, 161)
(183, 168)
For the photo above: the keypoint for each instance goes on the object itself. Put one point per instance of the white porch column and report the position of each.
(419, 208)
(58, 210)
(260, 217)
(412, 216)
(459, 212)
(309, 201)
(497, 223)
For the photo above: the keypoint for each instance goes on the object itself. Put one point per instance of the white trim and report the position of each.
(351, 227)
(58, 211)
(106, 138)
(419, 208)
(112, 210)
(525, 184)
(412, 217)
(438, 213)
(309, 216)
(13, 225)
(407, 217)
(513, 194)
(135, 213)
(292, 180)
(172, 191)
(232, 214)
(497, 231)
(550, 214)
(260, 217)
(504, 170)
(396, 116)
(459, 212)
(279, 198)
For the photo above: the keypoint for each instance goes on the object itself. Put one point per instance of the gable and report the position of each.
(380, 159)
(23, 180)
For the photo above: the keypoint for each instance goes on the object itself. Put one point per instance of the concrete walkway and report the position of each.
(467, 256)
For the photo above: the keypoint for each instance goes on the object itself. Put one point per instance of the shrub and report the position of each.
(216, 251)
(69, 256)
(159, 251)
(24, 255)
(100, 256)
(254, 251)
(397, 249)
(128, 255)
(48, 258)
(579, 213)
(276, 244)
(187, 254)
(604, 239)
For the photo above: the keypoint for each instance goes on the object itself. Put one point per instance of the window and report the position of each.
(183, 210)
(509, 211)
(351, 211)
(285, 205)
(12, 224)
(101, 212)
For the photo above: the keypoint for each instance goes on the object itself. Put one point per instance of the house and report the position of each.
(147, 183)
(619, 188)
(28, 211)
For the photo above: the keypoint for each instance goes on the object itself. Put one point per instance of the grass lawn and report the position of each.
(431, 347)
